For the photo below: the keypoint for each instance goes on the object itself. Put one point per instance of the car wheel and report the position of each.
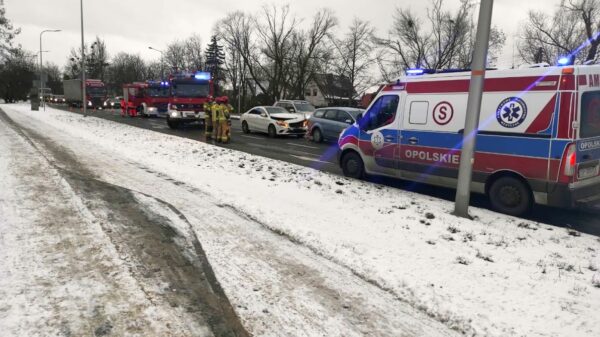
(272, 131)
(510, 195)
(172, 124)
(245, 128)
(317, 136)
(353, 166)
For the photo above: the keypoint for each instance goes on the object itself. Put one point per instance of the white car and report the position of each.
(275, 121)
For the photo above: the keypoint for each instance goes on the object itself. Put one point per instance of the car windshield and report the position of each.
(158, 92)
(304, 107)
(276, 110)
(96, 91)
(191, 90)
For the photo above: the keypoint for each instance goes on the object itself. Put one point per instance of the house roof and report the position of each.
(334, 85)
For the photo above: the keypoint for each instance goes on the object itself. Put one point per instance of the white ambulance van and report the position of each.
(538, 140)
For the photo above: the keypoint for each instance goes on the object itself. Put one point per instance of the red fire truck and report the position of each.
(189, 92)
(149, 98)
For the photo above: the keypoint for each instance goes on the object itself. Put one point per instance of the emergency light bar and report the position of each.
(202, 75)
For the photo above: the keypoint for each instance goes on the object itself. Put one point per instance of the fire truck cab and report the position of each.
(189, 93)
(146, 99)
(538, 140)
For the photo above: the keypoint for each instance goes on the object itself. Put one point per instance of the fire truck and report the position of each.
(94, 90)
(189, 92)
(538, 140)
(145, 99)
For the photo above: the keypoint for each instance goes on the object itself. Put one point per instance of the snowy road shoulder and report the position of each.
(496, 276)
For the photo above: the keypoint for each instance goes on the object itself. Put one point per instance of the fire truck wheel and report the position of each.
(172, 124)
(245, 127)
(510, 195)
(353, 166)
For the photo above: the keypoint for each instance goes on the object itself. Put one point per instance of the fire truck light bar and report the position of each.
(201, 75)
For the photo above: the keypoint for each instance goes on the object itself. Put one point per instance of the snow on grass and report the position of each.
(495, 276)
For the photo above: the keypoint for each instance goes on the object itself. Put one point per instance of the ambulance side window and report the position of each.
(381, 113)
(418, 113)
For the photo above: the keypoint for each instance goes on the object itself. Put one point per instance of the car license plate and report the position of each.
(587, 172)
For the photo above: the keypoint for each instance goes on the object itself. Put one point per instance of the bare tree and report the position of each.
(571, 30)
(194, 58)
(275, 28)
(126, 68)
(444, 40)
(175, 56)
(308, 51)
(355, 56)
(238, 32)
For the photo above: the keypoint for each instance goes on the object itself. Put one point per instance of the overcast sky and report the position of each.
(133, 25)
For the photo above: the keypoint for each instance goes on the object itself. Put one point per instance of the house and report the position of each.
(330, 90)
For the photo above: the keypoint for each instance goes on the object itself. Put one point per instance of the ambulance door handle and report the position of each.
(389, 139)
(413, 140)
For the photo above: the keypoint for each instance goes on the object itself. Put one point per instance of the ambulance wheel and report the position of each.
(317, 136)
(510, 195)
(245, 127)
(353, 166)
(272, 131)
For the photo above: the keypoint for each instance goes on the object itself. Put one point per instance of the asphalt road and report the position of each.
(323, 157)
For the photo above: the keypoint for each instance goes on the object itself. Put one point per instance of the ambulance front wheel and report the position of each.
(510, 195)
(353, 166)
(245, 127)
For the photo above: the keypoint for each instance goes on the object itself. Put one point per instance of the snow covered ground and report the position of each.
(495, 276)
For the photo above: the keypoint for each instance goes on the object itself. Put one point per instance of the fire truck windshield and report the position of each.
(96, 91)
(191, 90)
(158, 92)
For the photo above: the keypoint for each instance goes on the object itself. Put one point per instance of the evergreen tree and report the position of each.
(215, 58)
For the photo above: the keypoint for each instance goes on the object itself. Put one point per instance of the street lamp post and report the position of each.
(162, 74)
(42, 65)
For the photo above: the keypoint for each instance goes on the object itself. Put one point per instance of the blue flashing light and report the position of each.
(563, 61)
(201, 75)
(415, 72)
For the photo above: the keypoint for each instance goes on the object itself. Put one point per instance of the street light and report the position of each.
(162, 75)
(42, 64)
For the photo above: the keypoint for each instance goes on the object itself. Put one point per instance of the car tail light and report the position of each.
(570, 161)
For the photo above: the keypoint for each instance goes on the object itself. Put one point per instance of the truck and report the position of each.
(94, 89)
(189, 92)
(150, 98)
(538, 139)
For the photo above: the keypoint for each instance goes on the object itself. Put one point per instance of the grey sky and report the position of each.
(133, 25)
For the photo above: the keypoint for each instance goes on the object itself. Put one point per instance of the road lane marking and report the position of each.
(306, 146)
(311, 159)
(251, 137)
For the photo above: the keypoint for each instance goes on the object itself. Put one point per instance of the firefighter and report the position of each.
(208, 124)
(225, 122)
(215, 111)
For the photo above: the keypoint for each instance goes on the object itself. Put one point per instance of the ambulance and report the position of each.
(538, 139)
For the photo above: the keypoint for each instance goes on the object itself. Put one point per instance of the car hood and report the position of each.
(287, 116)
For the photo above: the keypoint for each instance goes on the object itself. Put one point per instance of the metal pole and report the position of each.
(478, 66)
(83, 93)
(42, 65)
(41, 73)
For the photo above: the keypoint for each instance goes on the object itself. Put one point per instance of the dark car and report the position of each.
(112, 103)
(328, 123)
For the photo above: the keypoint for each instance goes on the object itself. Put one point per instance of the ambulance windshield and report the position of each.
(590, 114)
